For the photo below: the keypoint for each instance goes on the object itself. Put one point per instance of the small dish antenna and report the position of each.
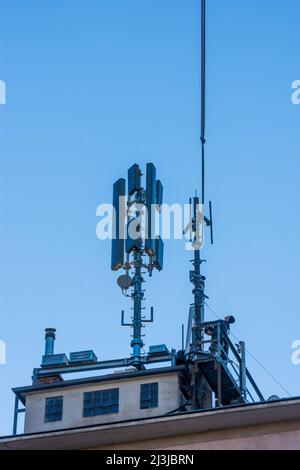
(124, 281)
(273, 398)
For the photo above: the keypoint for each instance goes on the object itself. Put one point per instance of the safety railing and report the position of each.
(215, 342)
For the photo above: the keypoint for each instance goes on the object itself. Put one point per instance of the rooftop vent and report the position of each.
(54, 360)
(82, 357)
(158, 350)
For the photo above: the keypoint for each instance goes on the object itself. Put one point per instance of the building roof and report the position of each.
(179, 424)
(21, 392)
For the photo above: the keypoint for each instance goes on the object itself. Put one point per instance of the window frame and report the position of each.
(152, 395)
(102, 402)
(54, 407)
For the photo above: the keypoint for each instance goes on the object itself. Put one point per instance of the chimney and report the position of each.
(49, 341)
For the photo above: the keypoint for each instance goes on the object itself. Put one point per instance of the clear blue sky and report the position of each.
(94, 86)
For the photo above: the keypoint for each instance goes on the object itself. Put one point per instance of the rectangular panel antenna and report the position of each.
(150, 204)
(134, 179)
(159, 253)
(117, 252)
(159, 194)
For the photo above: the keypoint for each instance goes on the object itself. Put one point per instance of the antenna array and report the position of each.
(136, 248)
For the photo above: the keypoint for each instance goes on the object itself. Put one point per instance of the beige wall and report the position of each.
(129, 403)
(276, 436)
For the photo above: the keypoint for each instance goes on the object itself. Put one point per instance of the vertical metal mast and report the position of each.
(198, 282)
(137, 296)
(203, 93)
(134, 250)
(195, 276)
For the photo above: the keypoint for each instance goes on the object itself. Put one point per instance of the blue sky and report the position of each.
(93, 87)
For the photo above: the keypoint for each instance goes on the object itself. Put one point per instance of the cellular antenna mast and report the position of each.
(198, 218)
(135, 246)
(210, 368)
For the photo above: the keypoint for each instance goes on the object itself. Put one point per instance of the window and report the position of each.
(53, 409)
(149, 395)
(101, 402)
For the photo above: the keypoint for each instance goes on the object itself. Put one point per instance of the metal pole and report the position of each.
(218, 342)
(49, 341)
(189, 330)
(243, 373)
(194, 386)
(199, 285)
(15, 425)
(256, 389)
(203, 93)
(137, 295)
(219, 382)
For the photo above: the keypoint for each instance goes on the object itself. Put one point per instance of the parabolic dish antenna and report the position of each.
(124, 281)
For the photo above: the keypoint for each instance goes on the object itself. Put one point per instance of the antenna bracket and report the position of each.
(123, 320)
(151, 316)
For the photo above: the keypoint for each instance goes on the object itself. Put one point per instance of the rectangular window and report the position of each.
(53, 409)
(149, 395)
(101, 402)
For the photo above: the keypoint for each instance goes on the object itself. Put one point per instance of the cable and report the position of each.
(203, 92)
(253, 357)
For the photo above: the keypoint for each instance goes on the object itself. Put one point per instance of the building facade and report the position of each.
(263, 426)
(100, 400)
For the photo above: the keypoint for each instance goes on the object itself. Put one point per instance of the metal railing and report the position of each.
(233, 357)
